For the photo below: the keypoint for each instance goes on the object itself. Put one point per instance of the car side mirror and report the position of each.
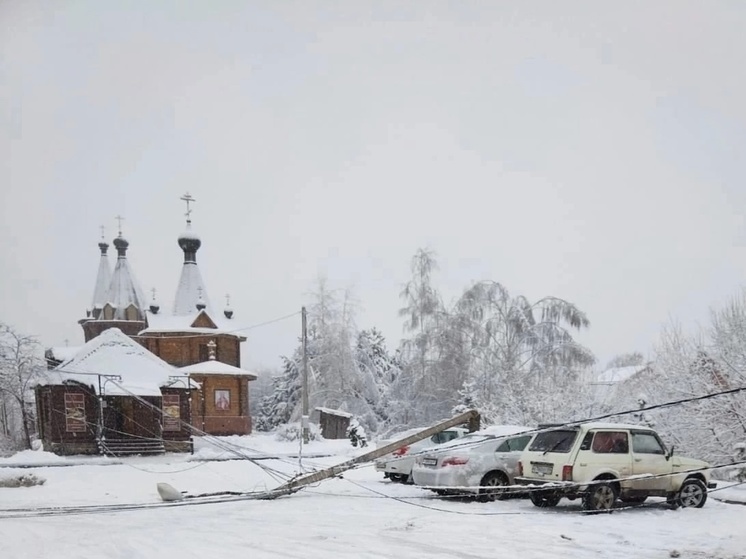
(670, 453)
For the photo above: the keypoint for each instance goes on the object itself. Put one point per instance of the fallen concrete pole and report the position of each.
(169, 493)
(471, 417)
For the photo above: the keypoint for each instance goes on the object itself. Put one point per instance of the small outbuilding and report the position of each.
(333, 423)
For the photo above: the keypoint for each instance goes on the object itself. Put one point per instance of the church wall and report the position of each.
(66, 429)
(180, 349)
(208, 413)
(92, 328)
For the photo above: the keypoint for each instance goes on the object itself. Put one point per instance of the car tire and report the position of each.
(600, 497)
(399, 478)
(490, 487)
(692, 493)
(544, 499)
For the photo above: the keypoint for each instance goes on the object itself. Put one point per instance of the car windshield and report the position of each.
(559, 440)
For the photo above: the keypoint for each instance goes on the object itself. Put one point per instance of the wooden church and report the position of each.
(146, 380)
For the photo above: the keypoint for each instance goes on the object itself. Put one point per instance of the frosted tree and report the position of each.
(21, 365)
(688, 366)
(335, 381)
(524, 360)
(424, 316)
(280, 405)
(378, 372)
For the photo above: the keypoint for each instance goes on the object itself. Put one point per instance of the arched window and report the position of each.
(108, 311)
(130, 313)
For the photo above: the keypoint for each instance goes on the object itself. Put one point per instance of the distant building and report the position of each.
(612, 386)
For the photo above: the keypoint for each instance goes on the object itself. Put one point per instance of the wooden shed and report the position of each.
(333, 423)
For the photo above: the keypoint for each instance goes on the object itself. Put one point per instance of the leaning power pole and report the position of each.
(304, 400)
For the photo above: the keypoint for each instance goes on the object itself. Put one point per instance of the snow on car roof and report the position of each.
(504, 430)
(603, 425)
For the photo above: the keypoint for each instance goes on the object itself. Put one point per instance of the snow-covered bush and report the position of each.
(294, 431)
(23, 480)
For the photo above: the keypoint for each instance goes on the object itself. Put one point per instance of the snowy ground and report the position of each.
(359, 516)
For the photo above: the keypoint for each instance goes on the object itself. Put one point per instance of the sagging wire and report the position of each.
(467, 445)
(233, 331)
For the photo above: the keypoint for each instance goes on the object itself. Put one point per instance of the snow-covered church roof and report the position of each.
(196, 322)
(114, 354)
(192, 312)
(124, 289)
(191, 290)
(103, 279)
(215, 367)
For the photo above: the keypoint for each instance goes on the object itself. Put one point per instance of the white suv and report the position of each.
(600, 462)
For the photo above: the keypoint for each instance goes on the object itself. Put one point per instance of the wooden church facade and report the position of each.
(185, 378)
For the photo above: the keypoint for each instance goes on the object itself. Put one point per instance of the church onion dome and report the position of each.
(121, 244)
(201, 303)
(228, 312)
(190, 242)
(154, 305)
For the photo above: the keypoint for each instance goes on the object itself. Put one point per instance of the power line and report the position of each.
(233, 331)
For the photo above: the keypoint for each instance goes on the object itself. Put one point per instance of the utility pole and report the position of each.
(304, 401)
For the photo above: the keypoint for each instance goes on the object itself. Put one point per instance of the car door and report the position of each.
(508, 453)
(649, 457)
(603, 451)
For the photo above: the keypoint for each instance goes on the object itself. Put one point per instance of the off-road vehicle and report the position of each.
(602, 462)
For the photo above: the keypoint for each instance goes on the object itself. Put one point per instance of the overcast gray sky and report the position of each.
(588, 150)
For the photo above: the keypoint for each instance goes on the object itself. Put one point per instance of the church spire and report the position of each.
(191, 291)
(125, 296)
(103, 278)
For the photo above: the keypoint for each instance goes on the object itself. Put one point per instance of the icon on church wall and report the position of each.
(222, 400)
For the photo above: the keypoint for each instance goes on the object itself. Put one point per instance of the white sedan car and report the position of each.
(397, 465)
(477, 464)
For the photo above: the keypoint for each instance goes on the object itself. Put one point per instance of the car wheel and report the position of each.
(490, 487)
(600, 497)
(544, 499)
(693, 493)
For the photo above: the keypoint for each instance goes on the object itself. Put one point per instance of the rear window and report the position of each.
(560, 440)
(512, 445)
(444, 436)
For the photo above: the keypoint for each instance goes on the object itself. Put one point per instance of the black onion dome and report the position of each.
(103, 247)
(189, 243)
(121, 244)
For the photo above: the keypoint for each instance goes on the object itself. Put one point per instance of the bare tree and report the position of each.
(21, 364)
